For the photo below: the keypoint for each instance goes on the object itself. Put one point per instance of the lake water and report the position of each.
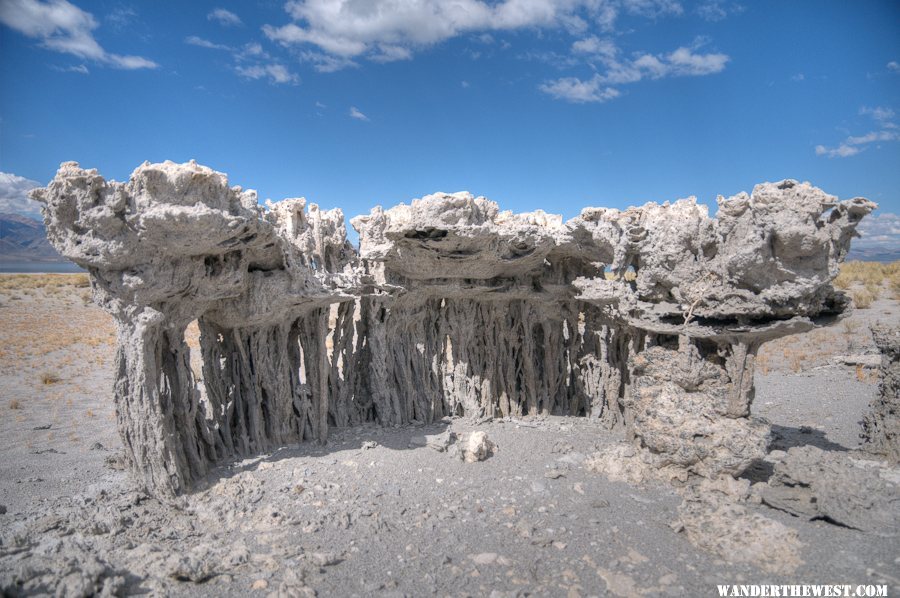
(35, 267)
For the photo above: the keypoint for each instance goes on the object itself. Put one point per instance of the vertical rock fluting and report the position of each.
(472, 312)
(177, 244)
(647, 320)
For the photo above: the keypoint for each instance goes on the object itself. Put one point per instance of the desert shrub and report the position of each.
(865, 273)
(851, 326)
(862, 298)
(843, 280)
(874, 289)
(15, 404)
(49, 378)
(894, 283)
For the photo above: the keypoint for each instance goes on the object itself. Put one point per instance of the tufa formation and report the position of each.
(647, 320)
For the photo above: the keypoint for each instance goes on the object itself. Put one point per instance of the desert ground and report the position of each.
(381, 511)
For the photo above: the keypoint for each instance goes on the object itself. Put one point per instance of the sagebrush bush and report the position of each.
(862, 298)
(49, 378)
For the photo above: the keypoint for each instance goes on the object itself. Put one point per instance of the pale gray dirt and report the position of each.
(357, 519)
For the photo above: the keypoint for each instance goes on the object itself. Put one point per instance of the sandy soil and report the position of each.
(374, 512)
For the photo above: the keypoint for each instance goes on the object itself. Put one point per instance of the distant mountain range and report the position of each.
(873, 254)
(23, 239)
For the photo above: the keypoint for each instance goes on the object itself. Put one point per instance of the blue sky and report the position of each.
(534, 103)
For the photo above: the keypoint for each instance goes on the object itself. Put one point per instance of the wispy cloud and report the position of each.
(883, 116)
(77, 68)
(573, 89)
(63, 27)
(385, 30)
(223, 17)
(682, 62)
(121, 17)
(276, 73)
(389, 53)
(355, 113)
(854, 144)
(14, 195)
(250, 61)
(325, 63)
(844, 150)
(717, 10)
(205, 43)
(893, 66)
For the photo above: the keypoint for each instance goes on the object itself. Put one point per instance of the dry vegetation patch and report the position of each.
(49, 378)
(54, 283)
(866, 281)
(43, 313)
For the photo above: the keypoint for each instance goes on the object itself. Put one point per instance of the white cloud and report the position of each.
(275, 72)
(595, 46)
(326, 63)
(14, 195)
(841, 151)
(205, 43)
(682, 62)
(798, 77)
(894, 66)
(355, 113)
(226, 18)
(350, 29)
(388, 53)
(717, 10)
(882, 115)
(250, 61)
(573, 89)
(855, 144)
(872, 137)
(652, 8)
(63, 27)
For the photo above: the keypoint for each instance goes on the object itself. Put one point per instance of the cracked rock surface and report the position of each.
(881, 426)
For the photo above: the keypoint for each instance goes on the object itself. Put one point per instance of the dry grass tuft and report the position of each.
(863, 298)
(15, 404)
(50, 378)
(871, 275)
(851, 326)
